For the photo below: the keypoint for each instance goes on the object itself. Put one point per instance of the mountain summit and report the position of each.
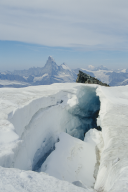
(53, 73)
(50, 61)
(85, 78)
(50, 67)
(50, 58)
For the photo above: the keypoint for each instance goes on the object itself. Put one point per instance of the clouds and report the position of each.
(85, 24)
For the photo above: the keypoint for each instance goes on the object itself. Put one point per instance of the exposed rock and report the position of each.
(84, 78)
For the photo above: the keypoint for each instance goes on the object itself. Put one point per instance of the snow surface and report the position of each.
(113, 169)
(36, 115)
(102, 75)
(76, 159)
(31, 122)
(32, 119)
(124, 70)
(14, 180)
(40, 78)
(7, 82)
(125, 82)
(64, 66)
(91, 67)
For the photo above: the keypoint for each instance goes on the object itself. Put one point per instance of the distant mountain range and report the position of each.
(52, 73)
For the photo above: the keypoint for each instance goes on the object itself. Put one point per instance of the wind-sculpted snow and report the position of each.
(76, 159)
(32, 119)
(37, 123)
(14, 180)
(113, 170)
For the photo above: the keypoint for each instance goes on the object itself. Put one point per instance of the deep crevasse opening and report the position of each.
(86, 111)
(40, 122)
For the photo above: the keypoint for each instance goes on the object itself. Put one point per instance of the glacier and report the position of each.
(56, 129)
(77, 159)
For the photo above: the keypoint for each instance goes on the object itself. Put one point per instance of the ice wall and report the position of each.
(40, 121)
(86, 111)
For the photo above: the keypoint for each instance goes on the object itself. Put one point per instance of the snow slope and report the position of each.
(76, 159)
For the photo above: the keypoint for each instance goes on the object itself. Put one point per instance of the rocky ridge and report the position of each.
(84, 78)
(53, 73)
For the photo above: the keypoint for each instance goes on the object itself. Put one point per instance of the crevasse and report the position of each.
(31, 122)
(39, 123)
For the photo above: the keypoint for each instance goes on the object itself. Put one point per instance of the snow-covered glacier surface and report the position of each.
(73, 160)
(51, 129)
(15, 180)
(113, 170)
(33, 118)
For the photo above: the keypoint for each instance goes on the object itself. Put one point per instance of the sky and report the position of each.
(77, 32)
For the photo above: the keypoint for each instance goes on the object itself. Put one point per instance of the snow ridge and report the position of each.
(113, 169)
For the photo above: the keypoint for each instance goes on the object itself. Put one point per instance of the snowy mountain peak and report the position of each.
(50, 58)
(51, 63)
(50, 67)
(64, 66)
(91, 67)
(101, 67)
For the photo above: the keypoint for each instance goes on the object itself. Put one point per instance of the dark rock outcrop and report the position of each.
(84, 78)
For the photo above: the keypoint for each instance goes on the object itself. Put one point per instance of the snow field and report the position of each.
(73, 160)
(31, 122)
(35, 117)
(15, 180)
(113, 169)
(39, 123)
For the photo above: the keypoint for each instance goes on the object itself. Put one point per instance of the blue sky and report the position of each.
(77, 32)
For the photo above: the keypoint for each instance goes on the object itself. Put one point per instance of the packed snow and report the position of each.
(15, 180)
(113, 169)
(7, 82)
(40, 78)
(32, 119)
(76, 159)
(36, 115)
(64, 66)
(51, 129)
